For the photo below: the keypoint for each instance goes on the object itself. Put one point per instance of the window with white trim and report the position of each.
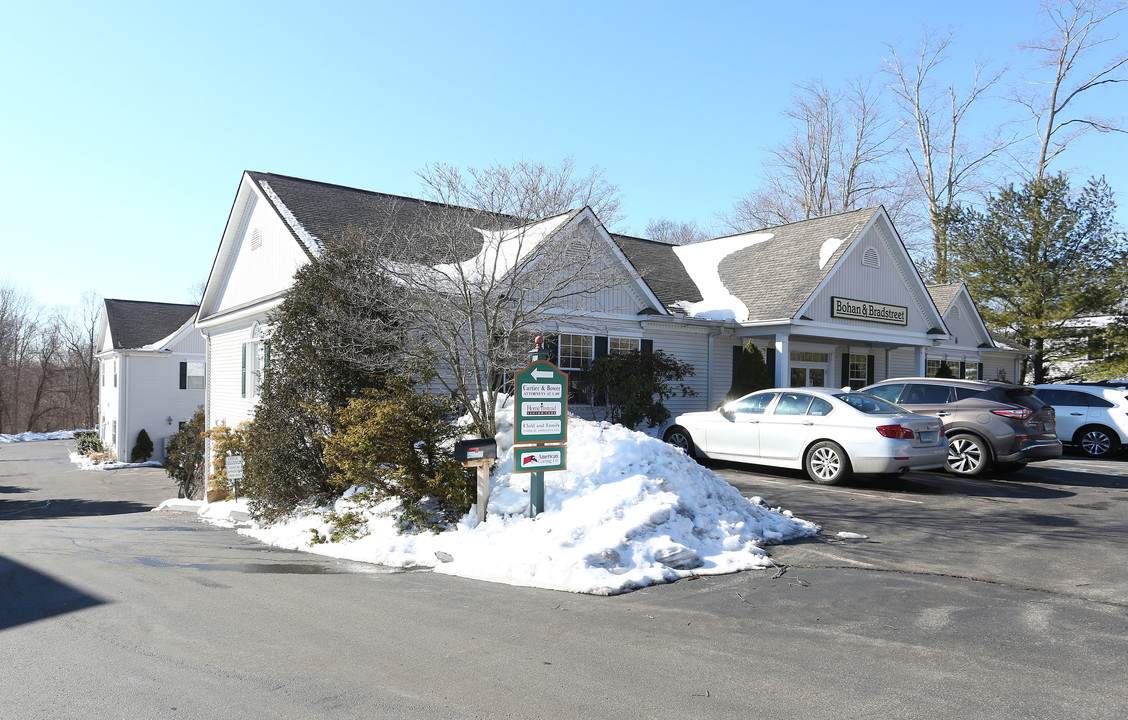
(575, 352)
(620, 346)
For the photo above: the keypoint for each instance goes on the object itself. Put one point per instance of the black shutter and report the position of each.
(980, 371)
(869, 369)
(647, 346)
(963, 369)
(845, 369)
(183, 376)
(552, 347)
(770, 360)
(601, 346)
(736, 351)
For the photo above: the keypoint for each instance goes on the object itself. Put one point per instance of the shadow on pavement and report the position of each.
(29, 595)
(47, 509)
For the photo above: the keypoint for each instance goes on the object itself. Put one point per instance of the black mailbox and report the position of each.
(480, 449)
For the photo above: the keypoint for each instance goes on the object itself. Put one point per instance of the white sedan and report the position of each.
(830, 434)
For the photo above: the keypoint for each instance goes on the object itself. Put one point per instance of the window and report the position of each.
(925, 394)
(858, 371)
(576, 352)
(792, 404)
(115, 375)
(251, 369)
(819, 407)
(810, 357)
(191, 376)
(752, 404)
(889, 393)
(971, 371)
(941, 368)
(619, 346)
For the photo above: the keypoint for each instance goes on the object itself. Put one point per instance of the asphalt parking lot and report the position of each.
(1058, 527)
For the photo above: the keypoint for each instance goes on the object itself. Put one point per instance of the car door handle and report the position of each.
(943, 414)
(1078, 414)
(808, 422)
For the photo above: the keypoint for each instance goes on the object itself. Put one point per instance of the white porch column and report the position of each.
(783, 361)
(918, 360)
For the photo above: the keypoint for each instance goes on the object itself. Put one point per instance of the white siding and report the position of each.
(890, 284)
(266, 270)
(902, 363)
(153, 396)
(227, 406)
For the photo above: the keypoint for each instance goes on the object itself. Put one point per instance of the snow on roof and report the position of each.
(702, 261)
(313, 245)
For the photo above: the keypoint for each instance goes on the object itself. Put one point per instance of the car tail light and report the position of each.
(896, 431)
(1017, 413)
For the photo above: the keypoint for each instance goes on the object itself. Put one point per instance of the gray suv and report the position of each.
(989, 425)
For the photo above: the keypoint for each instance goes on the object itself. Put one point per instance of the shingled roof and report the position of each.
(134, 323)
(944, 295)
(775, 277)
(659, 268)
(321, 213)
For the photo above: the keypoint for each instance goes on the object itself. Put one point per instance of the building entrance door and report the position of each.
(808, 376)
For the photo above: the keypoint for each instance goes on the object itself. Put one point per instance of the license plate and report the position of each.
(928, 436)
(1048, 427)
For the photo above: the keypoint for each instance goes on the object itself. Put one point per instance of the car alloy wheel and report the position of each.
(1096, 442)
(679, 438)
(967, 455)
(827, 463)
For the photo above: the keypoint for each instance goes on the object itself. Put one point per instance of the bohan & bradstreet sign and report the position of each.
(869, 311)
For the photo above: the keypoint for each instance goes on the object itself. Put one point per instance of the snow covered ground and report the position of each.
(29, 436)
(629, 511)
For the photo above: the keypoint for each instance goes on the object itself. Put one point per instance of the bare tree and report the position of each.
(837, 158)
(944, 163)
(18, 319)
(674, 232)
(79, 337)
(526, 190)
(462, 292)
(1066, 50)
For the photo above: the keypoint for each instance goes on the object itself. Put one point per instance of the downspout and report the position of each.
(709, 369)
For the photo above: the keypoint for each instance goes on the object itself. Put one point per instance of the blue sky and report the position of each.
(127, 126)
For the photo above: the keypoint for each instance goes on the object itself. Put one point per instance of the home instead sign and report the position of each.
(869, 311)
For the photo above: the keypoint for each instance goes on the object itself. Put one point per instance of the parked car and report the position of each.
(1094, 418)
(829, 433)
(989, 425)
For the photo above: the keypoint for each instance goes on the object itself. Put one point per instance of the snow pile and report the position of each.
(702, 261)
(29, 436)
(629, 511)
(85, 463)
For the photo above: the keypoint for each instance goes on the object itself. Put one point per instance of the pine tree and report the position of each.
(1038, 258)
(142, 449)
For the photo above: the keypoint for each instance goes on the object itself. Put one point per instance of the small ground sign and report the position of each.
(539, 459)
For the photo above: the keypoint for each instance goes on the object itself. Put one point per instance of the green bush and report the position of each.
(750, 374)
(87, 441)
(633, 386)
(184, 461)
(396, 443)
(142, 449)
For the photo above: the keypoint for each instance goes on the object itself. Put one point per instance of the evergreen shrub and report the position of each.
(142, 449)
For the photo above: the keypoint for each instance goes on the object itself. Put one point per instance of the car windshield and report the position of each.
(869, 404)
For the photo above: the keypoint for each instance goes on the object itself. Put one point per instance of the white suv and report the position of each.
(1092, 417)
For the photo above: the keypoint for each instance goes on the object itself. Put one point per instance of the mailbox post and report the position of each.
(479, 453)
(540, 419)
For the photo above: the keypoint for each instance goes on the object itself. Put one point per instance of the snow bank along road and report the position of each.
(998, 599)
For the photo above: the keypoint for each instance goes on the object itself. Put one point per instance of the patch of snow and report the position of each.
(31, 437)
(629, 511)
(308, 239)
(702, 261)
(851, 536)
(85, 463)
(827, 251)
